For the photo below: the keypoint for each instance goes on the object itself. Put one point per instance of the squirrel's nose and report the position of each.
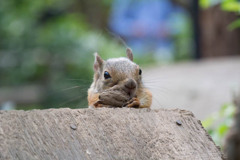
(130, 84)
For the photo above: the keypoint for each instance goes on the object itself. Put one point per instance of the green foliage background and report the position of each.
(50, 43)
(42, 43)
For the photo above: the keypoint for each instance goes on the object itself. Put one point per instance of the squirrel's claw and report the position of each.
(133, 103)
(98, 104)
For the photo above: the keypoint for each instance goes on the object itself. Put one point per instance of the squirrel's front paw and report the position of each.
(133, 103)
(99, 104)
(112, 98)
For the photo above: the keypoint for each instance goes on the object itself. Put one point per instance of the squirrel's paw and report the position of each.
(133, 103)
(99, 104)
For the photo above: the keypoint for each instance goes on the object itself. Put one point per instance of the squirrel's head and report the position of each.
(117, 71)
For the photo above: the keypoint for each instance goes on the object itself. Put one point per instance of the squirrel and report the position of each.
(117, 82)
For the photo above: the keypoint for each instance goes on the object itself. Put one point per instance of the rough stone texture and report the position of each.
(105, 133)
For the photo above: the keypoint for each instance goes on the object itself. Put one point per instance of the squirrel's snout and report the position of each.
(131, 87)
(130, 84)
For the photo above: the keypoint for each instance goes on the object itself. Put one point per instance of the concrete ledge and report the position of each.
(105, 133)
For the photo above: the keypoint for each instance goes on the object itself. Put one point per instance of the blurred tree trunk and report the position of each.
(216, 38)
(196, 28)
(232, 144)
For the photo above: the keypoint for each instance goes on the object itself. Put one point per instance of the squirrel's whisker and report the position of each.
(74, 87)
(157, 101)
(157, 81)
(159, 98)
(159, 88)
(71, 100)
(82, 80)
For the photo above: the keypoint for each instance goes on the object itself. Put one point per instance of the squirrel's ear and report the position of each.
(98, 62)
(129, 54)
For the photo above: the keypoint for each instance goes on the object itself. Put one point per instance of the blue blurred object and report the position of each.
(9, 105)
(147, 26)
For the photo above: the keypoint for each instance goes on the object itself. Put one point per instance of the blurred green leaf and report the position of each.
(218, 124)
(208, 3)
(209, 121)
(222, 129)
(234, 25)
(232, 6)
(204, 3)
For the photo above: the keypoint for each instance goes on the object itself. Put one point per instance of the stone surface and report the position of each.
(105, 133)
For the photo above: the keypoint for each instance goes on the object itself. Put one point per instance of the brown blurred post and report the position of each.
(216, 38)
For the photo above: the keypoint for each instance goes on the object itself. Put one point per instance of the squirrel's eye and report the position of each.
(140, 72)
(106, 75)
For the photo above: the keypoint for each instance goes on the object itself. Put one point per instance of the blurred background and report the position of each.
(189, 52)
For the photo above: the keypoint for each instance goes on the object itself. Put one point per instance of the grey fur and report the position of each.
(129, 54)
(122, 65)
(121, 69)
